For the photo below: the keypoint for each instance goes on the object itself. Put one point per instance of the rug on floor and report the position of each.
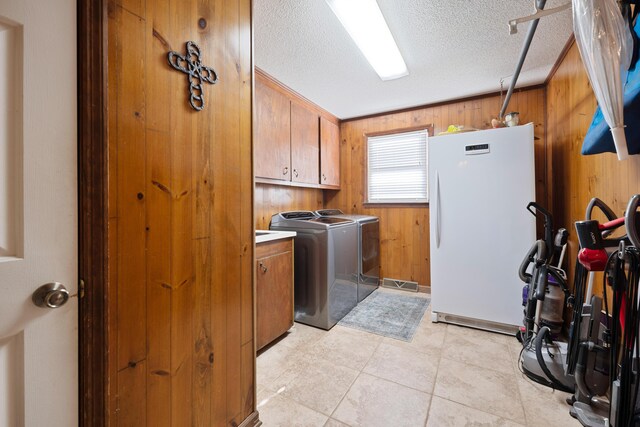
(388, 314)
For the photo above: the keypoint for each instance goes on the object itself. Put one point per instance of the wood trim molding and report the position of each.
(563, 54)
(293, 95)
(92, 205)
(428, 128)
(438, 104)
(252, 420)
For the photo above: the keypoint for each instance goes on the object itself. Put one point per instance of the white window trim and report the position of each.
(421, 166)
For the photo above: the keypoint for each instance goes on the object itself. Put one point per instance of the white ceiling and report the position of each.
(453, 49)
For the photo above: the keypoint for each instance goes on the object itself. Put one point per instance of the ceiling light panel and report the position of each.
(367, 27)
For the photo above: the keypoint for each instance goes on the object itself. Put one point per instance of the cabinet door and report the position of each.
(305, 146)
(272, 133)
(274, 297)
(329, 153)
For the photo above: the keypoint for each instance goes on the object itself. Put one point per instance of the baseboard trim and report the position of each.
(252, 420)
(485, 325)
(424, 289)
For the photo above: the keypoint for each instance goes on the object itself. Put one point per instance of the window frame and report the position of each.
(366, 202)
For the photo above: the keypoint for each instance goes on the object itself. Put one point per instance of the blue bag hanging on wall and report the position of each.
(599, 139)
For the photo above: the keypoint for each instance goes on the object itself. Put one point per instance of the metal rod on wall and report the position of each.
(523, 55)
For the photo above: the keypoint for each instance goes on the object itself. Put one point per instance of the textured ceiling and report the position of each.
(453, 49)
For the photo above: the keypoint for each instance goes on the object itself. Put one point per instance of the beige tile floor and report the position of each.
(446, 376)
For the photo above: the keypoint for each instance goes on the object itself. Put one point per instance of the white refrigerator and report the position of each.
(479, 186)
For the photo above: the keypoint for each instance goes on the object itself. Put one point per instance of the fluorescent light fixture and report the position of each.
(365, 24)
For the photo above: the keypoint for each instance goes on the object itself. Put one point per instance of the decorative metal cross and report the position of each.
(197, 73)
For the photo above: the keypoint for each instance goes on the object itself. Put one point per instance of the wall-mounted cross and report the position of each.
(197, 73)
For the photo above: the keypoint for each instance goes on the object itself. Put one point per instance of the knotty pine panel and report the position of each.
(271, 199)
(404, 230)
(576, 179)
(129, 134)
(180, 217)
(248, 380)
(113, 16)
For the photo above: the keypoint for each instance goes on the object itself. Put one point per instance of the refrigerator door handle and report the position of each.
(438, 226)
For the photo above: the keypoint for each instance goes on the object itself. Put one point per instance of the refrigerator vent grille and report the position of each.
(405, 285)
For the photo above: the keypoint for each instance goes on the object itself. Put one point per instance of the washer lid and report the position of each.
(331, 220)
(297, 215)
(329, 212)
(337, 213)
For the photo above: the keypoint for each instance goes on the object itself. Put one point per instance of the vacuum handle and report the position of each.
(597, 203)
(611, 225)
(630, 220)
(537, 253)
(538, 208)
(542, 281)
(548, 225)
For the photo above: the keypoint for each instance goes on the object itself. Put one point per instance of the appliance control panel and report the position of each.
(476, 149)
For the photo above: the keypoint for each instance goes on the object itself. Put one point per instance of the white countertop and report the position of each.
(270, 235)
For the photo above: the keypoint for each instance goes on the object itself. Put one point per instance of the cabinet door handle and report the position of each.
(295, 172)
(285, 170)
(263, 267)
(324, 177)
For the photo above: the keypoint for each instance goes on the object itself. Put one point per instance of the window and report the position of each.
(397, 168)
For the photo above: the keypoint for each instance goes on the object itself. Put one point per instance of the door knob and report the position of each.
(50, 295)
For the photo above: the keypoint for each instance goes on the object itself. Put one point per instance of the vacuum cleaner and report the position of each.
(603, 342)
(545, 295)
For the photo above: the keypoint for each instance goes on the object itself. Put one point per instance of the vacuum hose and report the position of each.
(581, 367)
(554, 382)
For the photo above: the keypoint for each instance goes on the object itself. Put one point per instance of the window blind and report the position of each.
(397, 168)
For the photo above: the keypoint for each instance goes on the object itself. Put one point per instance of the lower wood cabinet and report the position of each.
(274, 290)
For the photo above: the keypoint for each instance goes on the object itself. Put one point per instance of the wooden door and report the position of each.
(272, 133)
(305, 146)
(38, 212)
(180, 217)
(274, 291)
(329, 153)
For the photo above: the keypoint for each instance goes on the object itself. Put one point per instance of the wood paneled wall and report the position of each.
(180, 217)
(271, 199)
(404, 230)
(576, 178)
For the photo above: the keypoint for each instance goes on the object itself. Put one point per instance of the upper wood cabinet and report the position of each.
(305, 161)
(272, 133)
(329, 153)
(287, 138)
